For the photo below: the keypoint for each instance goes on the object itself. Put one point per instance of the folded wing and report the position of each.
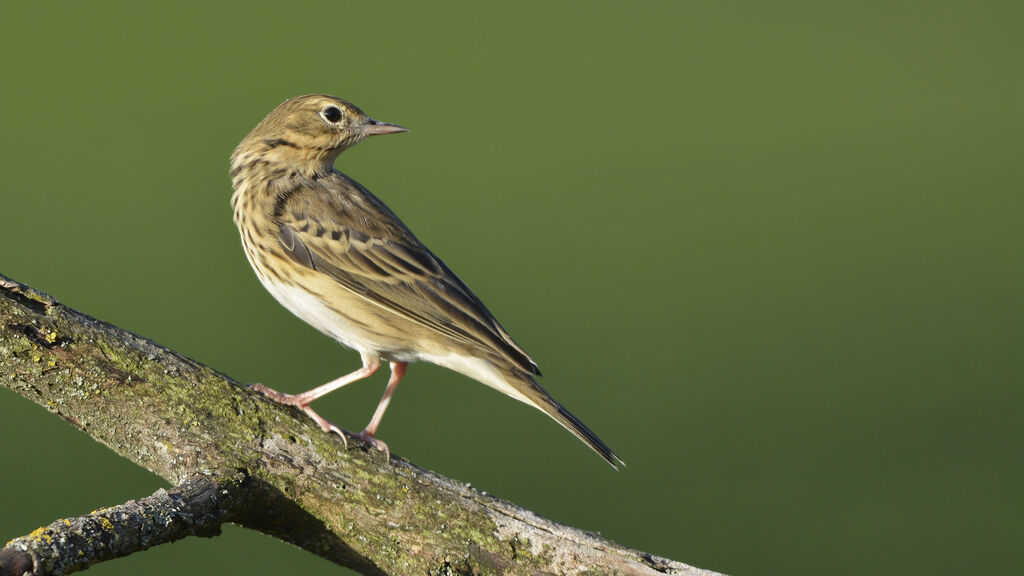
(392, 269)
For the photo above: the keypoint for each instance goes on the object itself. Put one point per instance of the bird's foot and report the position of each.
(301, 403)
(369, 438)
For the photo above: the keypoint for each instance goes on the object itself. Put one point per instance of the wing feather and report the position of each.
(375, 256)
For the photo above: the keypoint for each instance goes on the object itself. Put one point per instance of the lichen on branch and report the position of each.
(284, 476)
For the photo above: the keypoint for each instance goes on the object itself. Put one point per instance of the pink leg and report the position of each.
(397, 372)
(302, 401)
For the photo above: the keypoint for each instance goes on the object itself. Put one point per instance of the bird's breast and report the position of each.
(338, 313)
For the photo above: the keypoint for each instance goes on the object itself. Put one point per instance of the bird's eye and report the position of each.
(331, 114)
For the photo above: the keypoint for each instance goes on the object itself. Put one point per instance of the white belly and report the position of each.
(315, 313)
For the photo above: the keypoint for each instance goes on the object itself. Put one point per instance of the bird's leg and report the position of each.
(370, 365)
(397, 372)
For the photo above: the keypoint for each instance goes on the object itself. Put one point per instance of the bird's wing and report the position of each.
(372, 254)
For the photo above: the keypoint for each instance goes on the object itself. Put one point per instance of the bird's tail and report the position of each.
(537, 397)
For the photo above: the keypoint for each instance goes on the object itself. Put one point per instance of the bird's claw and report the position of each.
(325, 424)
(279, 397)
(376, 443)
(295, 400)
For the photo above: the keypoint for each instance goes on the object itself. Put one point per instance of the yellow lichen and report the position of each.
(106, 524)
(41, 533)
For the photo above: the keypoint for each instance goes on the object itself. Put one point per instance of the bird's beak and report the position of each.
(373, 128)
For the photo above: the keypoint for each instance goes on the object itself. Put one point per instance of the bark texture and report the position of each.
(237, 457)
(197, 507)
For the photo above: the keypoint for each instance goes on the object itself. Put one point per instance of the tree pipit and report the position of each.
(338, 258)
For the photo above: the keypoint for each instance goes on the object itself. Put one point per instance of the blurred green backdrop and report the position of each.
(771, 253)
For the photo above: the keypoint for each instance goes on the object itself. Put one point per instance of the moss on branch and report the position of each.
(181, 419)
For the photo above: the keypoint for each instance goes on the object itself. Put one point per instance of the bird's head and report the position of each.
(311, 129)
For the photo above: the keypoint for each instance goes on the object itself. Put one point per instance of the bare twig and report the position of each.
(197, 507)
(238, 457)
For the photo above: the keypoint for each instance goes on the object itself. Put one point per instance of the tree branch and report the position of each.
(197, 507)
(237, 457)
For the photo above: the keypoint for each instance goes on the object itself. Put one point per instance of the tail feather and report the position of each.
(540, 399)
(515, 382)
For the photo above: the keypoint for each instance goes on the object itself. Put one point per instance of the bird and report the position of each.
(337, 257)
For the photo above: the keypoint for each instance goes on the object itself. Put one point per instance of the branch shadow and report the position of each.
(272, 512)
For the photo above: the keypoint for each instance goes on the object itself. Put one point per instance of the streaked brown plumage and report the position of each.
(338, 258)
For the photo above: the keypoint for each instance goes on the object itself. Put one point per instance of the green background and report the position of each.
(770, 252)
